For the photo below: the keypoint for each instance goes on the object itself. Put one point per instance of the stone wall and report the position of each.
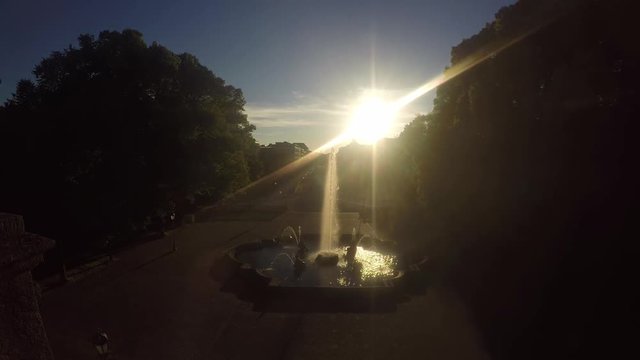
(22, 334)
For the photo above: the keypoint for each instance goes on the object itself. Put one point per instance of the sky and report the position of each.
(301, 64)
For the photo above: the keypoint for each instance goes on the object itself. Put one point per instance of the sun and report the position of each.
(371, 120)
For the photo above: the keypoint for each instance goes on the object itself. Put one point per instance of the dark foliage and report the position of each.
(114, 134)
(524, 175)
(275, 156)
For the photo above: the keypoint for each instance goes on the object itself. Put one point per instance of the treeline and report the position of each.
(520, 184)
(276, 155)
(114, 135)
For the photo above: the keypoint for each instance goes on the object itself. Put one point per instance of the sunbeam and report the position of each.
(459, 68)
(383, 113)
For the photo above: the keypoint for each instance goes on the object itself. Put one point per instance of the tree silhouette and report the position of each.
(523, 178)
(114, 131)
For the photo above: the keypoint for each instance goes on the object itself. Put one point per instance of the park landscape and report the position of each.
(492, 226)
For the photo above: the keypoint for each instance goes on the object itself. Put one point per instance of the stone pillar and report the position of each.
(22, 333)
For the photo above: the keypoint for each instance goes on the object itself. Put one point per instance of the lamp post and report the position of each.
(101, 342)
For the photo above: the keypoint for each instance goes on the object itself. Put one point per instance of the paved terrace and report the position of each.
(158, 304)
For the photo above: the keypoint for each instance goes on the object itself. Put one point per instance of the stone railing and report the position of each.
(22, 333)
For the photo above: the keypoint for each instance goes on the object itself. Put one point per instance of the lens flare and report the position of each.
(374, 116)
(371, 120)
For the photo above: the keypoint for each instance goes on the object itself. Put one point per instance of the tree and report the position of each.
(275, 156)
(523, 177)
(114, 131)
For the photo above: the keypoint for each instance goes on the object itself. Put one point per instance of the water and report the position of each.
(292, 234)
(372, 267)
(329, 231)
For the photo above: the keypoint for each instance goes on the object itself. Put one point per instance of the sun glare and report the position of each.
(371, 120)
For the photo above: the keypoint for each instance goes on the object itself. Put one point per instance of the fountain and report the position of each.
(321, 266)
(286, 263)
(292, 234)
(330, 228)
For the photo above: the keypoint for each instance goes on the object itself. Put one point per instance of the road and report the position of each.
(157, 304)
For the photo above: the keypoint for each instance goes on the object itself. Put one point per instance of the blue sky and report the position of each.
(301, 64)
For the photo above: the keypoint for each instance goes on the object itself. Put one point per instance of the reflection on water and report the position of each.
(370, 268)
(375, 264)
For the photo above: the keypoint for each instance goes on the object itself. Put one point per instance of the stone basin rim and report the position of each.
(273, 282)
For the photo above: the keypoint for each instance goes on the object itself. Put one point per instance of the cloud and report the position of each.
(267, 122)
(315, 120)
(310, 114)
(298, 94)
(306, 112)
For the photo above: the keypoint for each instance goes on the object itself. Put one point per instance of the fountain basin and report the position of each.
(268, 274)
(322, 268)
